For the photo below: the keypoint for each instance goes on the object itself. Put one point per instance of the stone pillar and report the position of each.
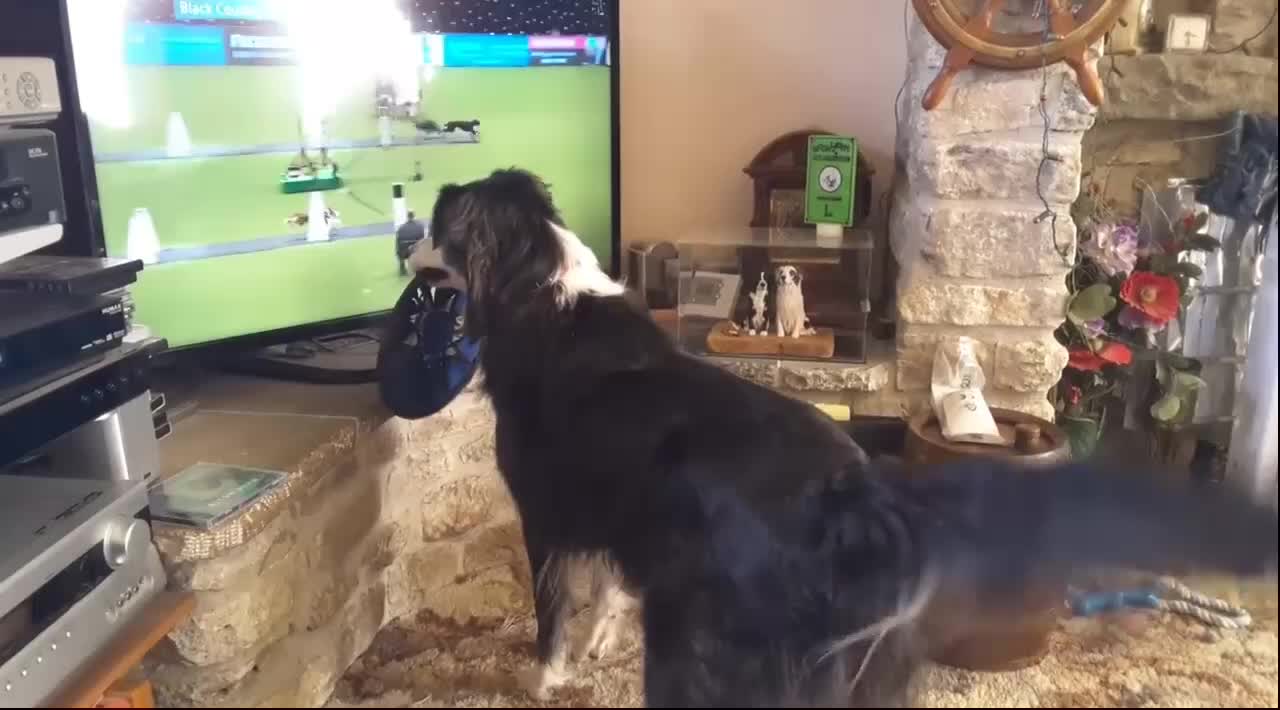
(975, 257)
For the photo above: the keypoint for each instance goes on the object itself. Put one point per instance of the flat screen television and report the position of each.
(260, 155)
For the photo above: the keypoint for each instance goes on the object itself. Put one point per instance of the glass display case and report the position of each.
(778, 293)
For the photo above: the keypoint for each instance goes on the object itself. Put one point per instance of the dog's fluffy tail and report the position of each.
(1003, 521)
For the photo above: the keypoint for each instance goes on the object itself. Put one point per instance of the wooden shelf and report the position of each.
(119, 657)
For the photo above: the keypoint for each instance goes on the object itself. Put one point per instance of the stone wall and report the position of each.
(974, 256)
(1159, 106)
(417, 518)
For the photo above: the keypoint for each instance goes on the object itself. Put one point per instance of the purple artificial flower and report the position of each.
(1135, 319)
(1094, 328)
(1114, 248)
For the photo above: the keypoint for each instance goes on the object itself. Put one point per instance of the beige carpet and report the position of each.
(1136, 660)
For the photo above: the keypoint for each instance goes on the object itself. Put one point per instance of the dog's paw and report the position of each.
(604, 643)
(539, 681)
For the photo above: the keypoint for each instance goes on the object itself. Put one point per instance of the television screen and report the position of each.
(262, 155)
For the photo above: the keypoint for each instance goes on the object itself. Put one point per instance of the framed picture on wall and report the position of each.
(1187, 34)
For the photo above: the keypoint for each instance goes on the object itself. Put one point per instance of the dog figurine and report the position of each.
(789, 316)
(758, 325)
(776, 565)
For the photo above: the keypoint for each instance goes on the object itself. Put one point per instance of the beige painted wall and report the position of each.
(707, 83)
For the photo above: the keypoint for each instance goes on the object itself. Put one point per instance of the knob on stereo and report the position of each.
(123, 538)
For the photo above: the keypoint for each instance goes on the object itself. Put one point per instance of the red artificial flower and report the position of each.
(1156, 296)
(1074, 395)
(1109, 354)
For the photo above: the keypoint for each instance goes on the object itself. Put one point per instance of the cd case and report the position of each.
(205, 494)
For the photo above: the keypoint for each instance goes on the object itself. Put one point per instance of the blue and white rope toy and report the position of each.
(1168, 595)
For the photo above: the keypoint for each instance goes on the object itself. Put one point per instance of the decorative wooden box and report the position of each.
(720, 269)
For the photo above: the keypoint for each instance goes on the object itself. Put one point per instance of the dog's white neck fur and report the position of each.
(581, 273)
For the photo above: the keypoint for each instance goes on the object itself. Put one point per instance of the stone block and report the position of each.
(811, 377)
(179, 684)
(459, 506)
(226, 624)
(1032, 302)
(1189, 87)
(916, 349)
(1029, 366)
(481, 447)
(1235, 21)
(500, 545)
(984, 100)
(979, 240)
(301, 670)
(494, 593)
(240, 565)
(470, 411)
(344, 521)
(996, 168)
(419, 575)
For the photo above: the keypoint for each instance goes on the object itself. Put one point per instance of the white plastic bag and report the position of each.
(962, 411)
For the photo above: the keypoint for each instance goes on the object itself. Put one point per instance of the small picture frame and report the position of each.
(708, 294)
(1187, 34)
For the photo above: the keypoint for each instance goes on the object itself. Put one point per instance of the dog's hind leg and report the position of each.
(551, 608)
(609, 602)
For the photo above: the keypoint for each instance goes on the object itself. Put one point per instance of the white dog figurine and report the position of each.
(790, 319)
(758, 325)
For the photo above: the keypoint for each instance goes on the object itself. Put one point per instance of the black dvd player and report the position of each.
(41, 332)
(30, 416)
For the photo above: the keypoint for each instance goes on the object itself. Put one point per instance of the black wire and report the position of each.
(1271, 21)
(1049, 213)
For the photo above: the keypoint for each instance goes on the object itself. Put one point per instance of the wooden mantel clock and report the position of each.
(1070, 30)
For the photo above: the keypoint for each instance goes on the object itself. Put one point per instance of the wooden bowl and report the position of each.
(1016, 632)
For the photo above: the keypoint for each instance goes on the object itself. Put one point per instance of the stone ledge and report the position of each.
(1188, 87)
(809, 376)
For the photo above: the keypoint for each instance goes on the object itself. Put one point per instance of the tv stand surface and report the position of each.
(344, 358)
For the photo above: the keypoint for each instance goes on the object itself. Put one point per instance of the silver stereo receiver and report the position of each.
(77, 564)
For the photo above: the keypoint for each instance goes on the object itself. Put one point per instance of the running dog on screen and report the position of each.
(776, 564)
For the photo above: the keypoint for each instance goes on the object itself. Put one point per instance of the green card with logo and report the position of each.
(828, 192)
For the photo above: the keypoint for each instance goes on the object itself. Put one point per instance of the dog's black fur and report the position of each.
(756, 532)
(472, 126)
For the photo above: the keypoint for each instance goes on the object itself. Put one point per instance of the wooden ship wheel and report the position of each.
(1070, 29)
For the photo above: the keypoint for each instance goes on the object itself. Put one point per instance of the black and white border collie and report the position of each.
(776, 565)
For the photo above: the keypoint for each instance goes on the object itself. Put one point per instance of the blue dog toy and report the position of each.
(426, 359)
(1168, 595)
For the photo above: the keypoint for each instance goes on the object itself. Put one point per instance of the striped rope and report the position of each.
(1168, 595)
(1208, 610)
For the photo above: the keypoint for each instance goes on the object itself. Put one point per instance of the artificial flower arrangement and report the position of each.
(1124, 291)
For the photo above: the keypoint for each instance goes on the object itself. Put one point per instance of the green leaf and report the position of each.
(1082, 434)
(1202, 242)
(1166, 409)
(1161, 263)
(1187, 269)
(1185, 383)
(1091, 304)
(1179, 362)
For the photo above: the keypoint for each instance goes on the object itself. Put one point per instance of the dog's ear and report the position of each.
(440, 214)
(799, 277)
(476, 230)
